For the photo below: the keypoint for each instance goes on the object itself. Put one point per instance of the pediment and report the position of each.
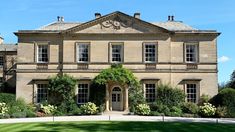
(116, 23)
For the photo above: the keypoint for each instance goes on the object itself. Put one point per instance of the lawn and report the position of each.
(116, 126)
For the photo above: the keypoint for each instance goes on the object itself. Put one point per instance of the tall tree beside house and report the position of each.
(231, 83)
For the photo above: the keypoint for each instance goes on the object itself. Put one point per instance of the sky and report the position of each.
(202, 14)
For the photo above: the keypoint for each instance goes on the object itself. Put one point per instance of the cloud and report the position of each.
(223, 59)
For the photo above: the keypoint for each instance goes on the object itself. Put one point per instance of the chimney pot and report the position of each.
(97, 15)
(172, 18)
(137, 15)
(62, 19)
(58, 18)
(169, 18)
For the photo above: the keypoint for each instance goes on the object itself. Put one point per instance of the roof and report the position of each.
(8, 47)
(61, 26)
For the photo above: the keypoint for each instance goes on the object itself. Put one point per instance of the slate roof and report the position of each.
(59, 26)
(8, 47)
(174, 25)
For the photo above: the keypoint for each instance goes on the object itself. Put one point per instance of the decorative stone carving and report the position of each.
(115, 23)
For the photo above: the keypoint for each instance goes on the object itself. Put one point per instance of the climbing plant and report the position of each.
(62, 91)
(116, 73)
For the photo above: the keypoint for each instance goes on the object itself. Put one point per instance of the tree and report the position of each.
(231, 83)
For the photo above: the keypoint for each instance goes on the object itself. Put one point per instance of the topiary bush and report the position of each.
(207, 110)
(170, 96)
(225, 98)
(142, 109)
(89, 108)
(190, 108)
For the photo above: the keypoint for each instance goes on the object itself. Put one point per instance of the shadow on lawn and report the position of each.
(131, 126)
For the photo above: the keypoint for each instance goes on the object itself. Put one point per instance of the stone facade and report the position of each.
(133, 34)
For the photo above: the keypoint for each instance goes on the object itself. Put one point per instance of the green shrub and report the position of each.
(155, 113)
(48, 109)
(142, 109)
(19, 114)
(170, 96)
(89, 108)
(221, 112)
(190, 108)
(175, 111)
(17, 107)
(226, 97)
(207, 110)
(7, 98)
(160, 107)
(203, 99)
(3, 109)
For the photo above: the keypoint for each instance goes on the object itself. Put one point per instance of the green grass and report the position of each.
(117, 126)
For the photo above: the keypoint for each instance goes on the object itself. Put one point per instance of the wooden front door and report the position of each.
(116, 99)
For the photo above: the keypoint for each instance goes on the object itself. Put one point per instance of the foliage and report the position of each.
(207, 110)
(3, 108)
(175, 111)
(204, 99)
(123, 76)
(116, 74)
(48, 109)
(226, 97)
(97, 94)
(160, 107)
(142, 109)
(231, 83)
(7, 98)
(221, 112)
(190, 108)
(170, 96)
(64, 85)
(89, 108)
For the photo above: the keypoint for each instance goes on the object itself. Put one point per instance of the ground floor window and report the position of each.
(42, 92)
(191, 92)
(83, 93)
(150, 92)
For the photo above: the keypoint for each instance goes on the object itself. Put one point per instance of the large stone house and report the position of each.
(169, 52)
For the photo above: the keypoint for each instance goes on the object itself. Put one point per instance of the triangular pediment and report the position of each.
(116, 22)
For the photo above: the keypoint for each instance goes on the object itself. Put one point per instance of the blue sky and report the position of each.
(201, 14)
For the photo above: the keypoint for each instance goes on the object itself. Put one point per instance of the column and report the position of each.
(107, 98)
(126, 108)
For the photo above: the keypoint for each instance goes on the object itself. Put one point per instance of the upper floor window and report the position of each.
(83, 93)
(150, 52)
(117, 53)
(82, 52)
(191, 53)
(150, 92)
(191, 92)
(42, 56)
(42, 92)
(1, 61)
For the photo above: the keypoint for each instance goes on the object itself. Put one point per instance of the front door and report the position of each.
(116, 99)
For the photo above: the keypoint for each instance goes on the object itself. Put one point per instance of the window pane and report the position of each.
(42, 92)
(191, 53)
(1, 61)
(117, 53)
(82, 93)
(150, 52)
(150, 92)
(42, 53)
(191, 92)
(82, 52)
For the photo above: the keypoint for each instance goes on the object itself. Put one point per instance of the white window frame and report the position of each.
(47, 45)
(195, 93)
(2, 59)
(78, 55)
(195, 59)
(87, 94)
(121, 52)
(37, 100)
(144, 52)
(153, 99)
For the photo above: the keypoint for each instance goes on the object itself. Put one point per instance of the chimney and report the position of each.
(62, 19)
(137, 15)
(97, 15)
(172, 18)
(58, 18)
